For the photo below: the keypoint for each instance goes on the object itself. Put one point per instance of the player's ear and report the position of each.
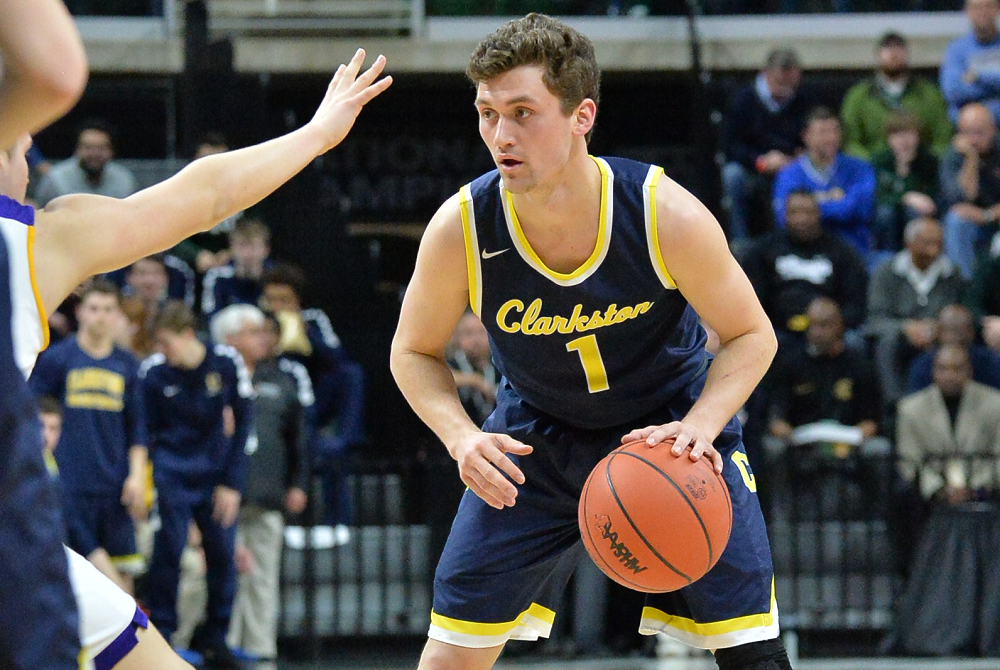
(584, 117)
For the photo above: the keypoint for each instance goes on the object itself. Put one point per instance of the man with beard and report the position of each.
(90, 169)
(869, 103)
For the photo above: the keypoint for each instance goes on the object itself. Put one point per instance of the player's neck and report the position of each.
(566, 200)
(94, 345)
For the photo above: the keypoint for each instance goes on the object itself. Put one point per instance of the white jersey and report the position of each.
(29, 323)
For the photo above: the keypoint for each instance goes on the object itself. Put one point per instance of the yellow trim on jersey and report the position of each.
(602, 231)
(83, 661)
(490, 629)
(34, 288)
(471, 252)
(653, 229)
(714, 628)
(128, 558)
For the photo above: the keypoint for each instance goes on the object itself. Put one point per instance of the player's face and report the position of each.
(524, 127)
(51, 430)
(174, 346)
(280, 298)
(14, 170)
(249, 253)
(98, 314)
(148, 279)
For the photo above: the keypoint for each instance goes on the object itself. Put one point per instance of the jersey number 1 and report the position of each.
(593, 364)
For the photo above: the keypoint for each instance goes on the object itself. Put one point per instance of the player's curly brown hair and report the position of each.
(571, 71)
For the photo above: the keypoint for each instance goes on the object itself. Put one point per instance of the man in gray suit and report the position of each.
(949, 432)
(949, 436)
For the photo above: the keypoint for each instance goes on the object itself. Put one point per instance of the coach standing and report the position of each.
(198, 470)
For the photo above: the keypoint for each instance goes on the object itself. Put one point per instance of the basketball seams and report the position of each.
(708, 538)
(628, 518)
(610, 569)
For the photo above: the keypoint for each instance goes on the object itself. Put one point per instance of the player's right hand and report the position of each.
(482, 457)
(345, 97)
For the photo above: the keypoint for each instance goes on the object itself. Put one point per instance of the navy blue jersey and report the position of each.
(38, 619)
(103, 414)
(221, 288)
(184, 410)
(180, 280)
(598, 347)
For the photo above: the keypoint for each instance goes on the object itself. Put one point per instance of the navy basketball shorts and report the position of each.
(502, 572)
(99, 520)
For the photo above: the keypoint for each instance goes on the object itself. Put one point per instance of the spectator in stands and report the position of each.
(955, 326)
(906, 177)
(948, 438)
(983, 298)
(308, 338)
(793, 265)
(844, 186)
(869, 103)
(905, 296)
(277, 474)
(762, 133)
(970, 69)
(90, 170)
(199, 467)
(826, 381)
(208, 250)
(240, 280)
(970, 187)
(471, 362)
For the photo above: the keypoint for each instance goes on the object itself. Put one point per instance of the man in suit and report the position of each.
(954, 417)
(948, 436)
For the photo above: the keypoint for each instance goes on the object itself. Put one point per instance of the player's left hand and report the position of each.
(225, 505)
(346, 95)
(684, 435)
(134, 497)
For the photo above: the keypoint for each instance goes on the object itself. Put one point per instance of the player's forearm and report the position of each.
(44, 66)
(428, 385)
(233, 181)
(737, 369)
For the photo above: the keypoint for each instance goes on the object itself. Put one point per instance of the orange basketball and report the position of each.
(652, 521)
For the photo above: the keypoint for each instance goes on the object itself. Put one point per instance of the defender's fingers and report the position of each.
(369, 75)
(370, 93)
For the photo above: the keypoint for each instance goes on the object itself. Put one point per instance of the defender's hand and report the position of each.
(684, 435)
(481, 457)
(345, 97)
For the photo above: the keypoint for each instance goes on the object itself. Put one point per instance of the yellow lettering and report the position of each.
(532, 322)
(515, 305)
(624, 314)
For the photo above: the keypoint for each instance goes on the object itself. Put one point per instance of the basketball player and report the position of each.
(51, 251)
(44, 72)
(589, 274)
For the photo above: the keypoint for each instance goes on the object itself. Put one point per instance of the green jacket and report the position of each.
(866, 108)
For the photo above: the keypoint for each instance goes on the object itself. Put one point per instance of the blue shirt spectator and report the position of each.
(970, 70)
(844, 186)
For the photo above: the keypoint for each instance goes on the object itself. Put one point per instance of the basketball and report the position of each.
(652, 521)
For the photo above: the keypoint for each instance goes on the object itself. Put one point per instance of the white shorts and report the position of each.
(106, 612)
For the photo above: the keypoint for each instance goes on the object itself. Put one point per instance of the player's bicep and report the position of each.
(438, 292)
(697, 256)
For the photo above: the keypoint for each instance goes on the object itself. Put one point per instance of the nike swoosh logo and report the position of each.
(491, 254)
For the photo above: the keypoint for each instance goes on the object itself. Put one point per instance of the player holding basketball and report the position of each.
(589, 275)
(51, 251)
